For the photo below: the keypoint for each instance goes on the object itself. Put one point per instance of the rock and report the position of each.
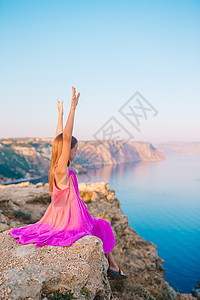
(196, 290)
(3, 227)
(7, 206)
(32, 199)
(14, 224)
(186, 297)
(24, 184)
(21, 184)
(3, 223)
(27, 271)
(137, 257)
(39, 184)
(82, 186)
(2, 218)
(46, 186)
(111, 195)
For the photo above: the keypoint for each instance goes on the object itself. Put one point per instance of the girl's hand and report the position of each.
(60, 106)
(74, 98)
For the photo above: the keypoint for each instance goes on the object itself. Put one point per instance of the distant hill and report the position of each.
(24, 158)
(30, 157)
(179, 148)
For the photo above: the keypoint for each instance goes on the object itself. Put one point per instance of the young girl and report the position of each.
(67, 218)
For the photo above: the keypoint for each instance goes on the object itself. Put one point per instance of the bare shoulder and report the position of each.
(62, 179)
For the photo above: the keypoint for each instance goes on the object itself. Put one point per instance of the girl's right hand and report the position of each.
(74, 98)
(60, 106)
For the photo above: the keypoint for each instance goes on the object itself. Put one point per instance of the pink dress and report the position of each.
(66, 220)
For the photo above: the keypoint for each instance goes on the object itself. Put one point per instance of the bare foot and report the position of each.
(112, 263)
(114, 268)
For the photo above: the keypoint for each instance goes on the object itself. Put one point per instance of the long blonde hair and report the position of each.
(56, 153)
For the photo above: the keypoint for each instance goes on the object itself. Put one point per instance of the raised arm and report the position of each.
(59, 128)
(67, 134)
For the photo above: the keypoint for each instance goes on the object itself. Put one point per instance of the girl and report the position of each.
(67, 218)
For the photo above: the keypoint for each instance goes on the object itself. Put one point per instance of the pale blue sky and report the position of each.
(108, 50)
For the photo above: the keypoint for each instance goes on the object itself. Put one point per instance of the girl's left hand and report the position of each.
(74, 98)
(60, 106)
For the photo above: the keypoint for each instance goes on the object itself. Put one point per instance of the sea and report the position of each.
(162, 202)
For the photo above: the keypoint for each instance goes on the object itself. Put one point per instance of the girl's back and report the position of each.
(62, 179)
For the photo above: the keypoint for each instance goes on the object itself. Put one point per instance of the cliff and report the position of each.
(113, 152)
(25, 203)
(30, 157)
(34, 273)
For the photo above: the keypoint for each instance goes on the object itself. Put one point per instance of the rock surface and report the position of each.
(27, 271)
(196, 290)
(112, 152)
(137, 257)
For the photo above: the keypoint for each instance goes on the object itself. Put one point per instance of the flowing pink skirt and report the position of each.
(66, 220)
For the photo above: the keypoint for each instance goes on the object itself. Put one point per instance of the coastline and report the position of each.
(136, 256)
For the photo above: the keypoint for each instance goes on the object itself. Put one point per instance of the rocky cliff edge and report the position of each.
(81, 268)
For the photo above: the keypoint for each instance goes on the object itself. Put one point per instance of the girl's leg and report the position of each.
(112, 263)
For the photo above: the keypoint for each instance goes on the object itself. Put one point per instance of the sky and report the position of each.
(120, 55)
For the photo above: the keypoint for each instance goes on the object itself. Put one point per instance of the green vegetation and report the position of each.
(143, 292)
(57, 295)
(97, 297)
(35, 145)
(47, 145)
(40, 199)
(20, 214)
(169, 295)
(15, 165)
(84, 291)
(8, 173)
(12, 164)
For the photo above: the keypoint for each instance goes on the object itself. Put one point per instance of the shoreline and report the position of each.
(133, 253)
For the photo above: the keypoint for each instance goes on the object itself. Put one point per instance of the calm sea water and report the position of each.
(162, 202)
